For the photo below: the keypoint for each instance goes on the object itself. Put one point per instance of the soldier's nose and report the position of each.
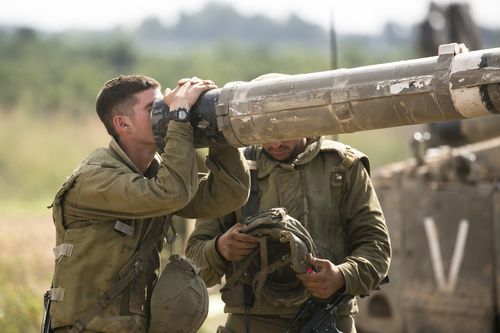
(275, 145)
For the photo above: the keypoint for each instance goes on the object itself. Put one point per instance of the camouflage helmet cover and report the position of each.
(284, 247)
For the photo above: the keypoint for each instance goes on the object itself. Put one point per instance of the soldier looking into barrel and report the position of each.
(112, 214)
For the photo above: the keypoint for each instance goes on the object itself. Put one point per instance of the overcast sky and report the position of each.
(357, 16)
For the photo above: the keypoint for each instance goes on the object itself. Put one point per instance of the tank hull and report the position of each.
(438, 213)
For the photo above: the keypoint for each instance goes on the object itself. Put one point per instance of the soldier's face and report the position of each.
(141, 117)
(285, 151)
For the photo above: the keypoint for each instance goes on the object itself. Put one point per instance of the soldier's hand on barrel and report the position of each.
(234, 245)
(187, 92)
(194, 80)
(325, 281)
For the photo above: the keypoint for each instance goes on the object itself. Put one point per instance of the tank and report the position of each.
(442, 208)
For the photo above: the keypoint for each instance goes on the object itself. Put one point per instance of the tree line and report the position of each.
(44, 72)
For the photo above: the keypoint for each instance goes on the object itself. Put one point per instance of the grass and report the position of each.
(26, 268)
(37, 154)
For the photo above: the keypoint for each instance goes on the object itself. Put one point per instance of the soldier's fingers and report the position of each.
(310, 277)
(236, 227)
(245, 246)
(235, 244)
(195, 80)
(209, 86)
(236, 230)
(313, 286)
(239, 255)
(246, 252)
(167, 96)
(311, 259)
(201, 87)
(303, 277)
(320, 263)
(245, 238)
(182, 81)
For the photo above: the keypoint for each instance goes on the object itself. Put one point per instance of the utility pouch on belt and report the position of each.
(45, 328)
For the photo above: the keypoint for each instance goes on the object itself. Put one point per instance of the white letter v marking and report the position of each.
(436, 258)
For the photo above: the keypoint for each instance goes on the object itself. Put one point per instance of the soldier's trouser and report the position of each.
(235, 323)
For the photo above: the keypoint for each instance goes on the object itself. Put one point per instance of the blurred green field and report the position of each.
(36, 155)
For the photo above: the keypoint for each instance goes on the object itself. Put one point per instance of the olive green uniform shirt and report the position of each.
(107, 187)
(344, 219)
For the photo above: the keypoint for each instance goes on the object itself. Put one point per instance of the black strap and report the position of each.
(252, 204)
(130, 270)
(249, 209)
(46, 313)
(231, 281)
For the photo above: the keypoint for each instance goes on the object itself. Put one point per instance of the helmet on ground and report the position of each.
(179, 303)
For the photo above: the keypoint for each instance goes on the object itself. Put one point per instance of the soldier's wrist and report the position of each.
(217, 250)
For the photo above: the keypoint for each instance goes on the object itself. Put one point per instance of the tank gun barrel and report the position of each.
(456, 84)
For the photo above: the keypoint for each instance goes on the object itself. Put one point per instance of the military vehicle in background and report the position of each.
(443, 212)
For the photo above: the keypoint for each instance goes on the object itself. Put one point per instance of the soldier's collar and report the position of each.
(153, 168)
(312, 149)
(266, 164)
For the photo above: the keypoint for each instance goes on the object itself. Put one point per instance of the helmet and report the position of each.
(179, 303)
(284, 247)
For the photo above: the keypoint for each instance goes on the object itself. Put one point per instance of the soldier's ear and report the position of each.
(121, 123)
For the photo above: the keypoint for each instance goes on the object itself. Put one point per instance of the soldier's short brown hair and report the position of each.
(117, 96)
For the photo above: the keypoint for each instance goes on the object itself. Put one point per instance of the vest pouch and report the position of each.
(85, 261)
(234, 296)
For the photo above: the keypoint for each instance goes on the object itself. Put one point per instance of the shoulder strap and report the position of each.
(129, 271)
(57, 212)
(347, 153)
(252, 204)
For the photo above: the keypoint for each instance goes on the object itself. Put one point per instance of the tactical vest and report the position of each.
(113, 275)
